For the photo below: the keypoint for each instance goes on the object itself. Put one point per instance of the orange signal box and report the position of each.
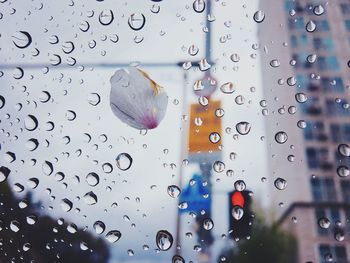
(199, 135)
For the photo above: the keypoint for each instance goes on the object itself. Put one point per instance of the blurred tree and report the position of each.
(266, 244)
(40, 238)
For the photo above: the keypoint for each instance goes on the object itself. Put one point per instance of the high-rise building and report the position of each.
(306, 76)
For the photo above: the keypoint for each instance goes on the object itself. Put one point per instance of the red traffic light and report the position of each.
(237, 199)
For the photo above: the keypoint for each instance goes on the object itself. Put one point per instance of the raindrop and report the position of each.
(15, 226)
(45, 96)
(90, 198)
(84, 26)
(33, 182)
(66, 205)
(123, 161)
(237, 212)
(177, 259)
(324, 222)
(318, 10)
(4, 173)
(31, 219)
(339, 235)
(204, 65)
(99, 227)
(94, 99)
(300, 97)
(18, 73)
(107, 168)
(92, 179)
(10, 157)
(164, 240)
(243, 127)
(310, 26)
(208, 224)
(113, 236)
(259, 16)
(235, 57)
(311, 58)
(22, 39)
(274, 63)
(240, 185)
(240, 100)
(193, 50)
(344, 149)
(136, 21)
(70, 115)
(218, 166)
(173, 191)
(68, 47)
(47, 168)
(343, 171)
(199, 6)
(227, 88)
(214, 137)
(280, 183)
(106, 17)
(30, 123)
(55, 60)
(281, 137)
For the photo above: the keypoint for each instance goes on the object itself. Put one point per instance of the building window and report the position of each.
(332, 214)
(323, 189)
(325, 43)
(328, 63)
(329, 253)
(336, 109)
(345, 189)
(345, 8)
(340, 132)
(332, 84)
(347, 25)
(315, 131)
(296, 23)
(322, 25)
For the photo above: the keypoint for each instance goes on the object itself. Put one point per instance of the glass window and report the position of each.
(323, 43)
(322, 25)
(296, 23)
(328, 63)
(332, 84)
(345, 8)
(323, 190)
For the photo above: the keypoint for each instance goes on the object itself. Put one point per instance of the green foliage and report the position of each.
(267, 244)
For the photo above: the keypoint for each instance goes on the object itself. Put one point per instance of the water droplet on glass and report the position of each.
(280, 183)
(274, 63)
(300, 97)
(94, 99)
(240, 185)
(344, 149)
(124, 161)
(214, 137)
(259, 16)
(208, 224)
(218, 166)
(4, 173)
(281, 137)
(204, 65)
(66, 205)
(227, 88)
(199, 6)
(15, 226)
(92, 179)
(173, 191)
(324, 222)
(310, 26)
(113, 236)
(237, 212)
(22, 39)
(343, 171)
(107, 168)
(318, 10)
(99, 227)
(47, 168)
(30, 122)
(70, 115)
(235, 57)
(243, 127)
(106, 17)
(90, 198)
(164, 240)
(193, 50)
(177, 259)
(311, 58)
(136, 21)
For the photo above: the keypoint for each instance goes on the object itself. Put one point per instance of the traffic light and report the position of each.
(240, 214)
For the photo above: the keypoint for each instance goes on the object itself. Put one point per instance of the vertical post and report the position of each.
(208, 35)
(183, 153)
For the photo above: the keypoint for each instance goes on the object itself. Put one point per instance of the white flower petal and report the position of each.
(136, 99)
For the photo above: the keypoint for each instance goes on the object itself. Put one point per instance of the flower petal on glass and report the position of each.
(136, 99)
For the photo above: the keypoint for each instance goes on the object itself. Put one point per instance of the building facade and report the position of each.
(305, 53)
